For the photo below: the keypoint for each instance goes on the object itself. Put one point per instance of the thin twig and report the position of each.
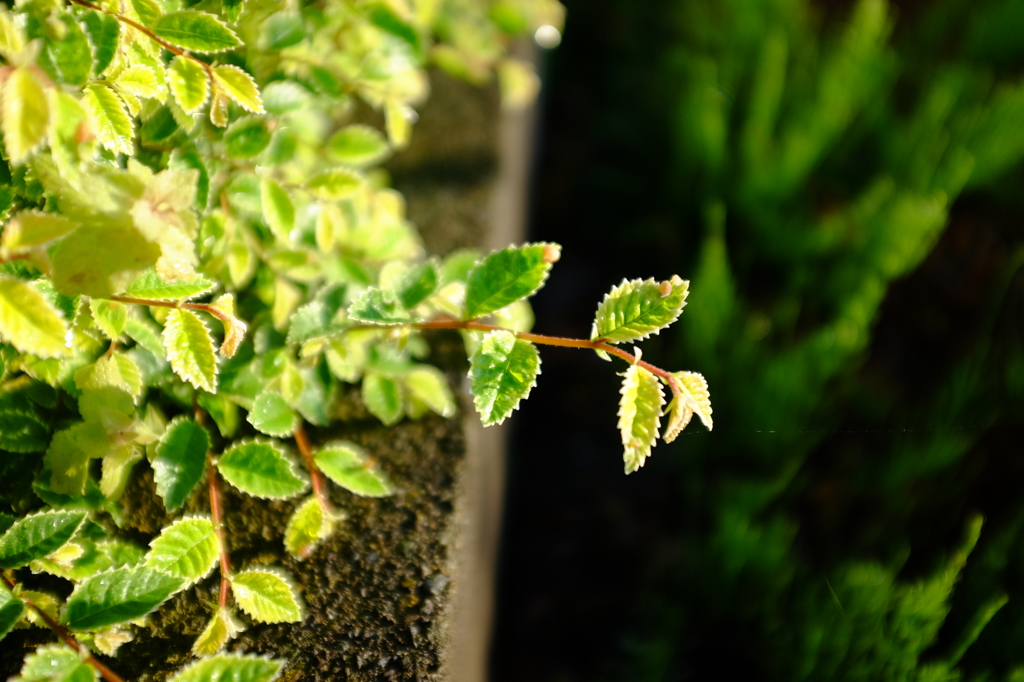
(218, 526)
(315, 475)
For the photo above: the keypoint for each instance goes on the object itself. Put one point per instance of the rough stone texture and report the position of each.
(378, 592)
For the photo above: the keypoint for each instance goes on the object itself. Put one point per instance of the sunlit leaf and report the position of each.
(109, 118)
(428, 384)
(693, 398)
(349, 466)
(308, 526)
(261, 470)
(246, 137)
(508, 275)
(196, 31)
(186, 549)
(267, 596)
(358, 145)
(29, 322)
(118, 596)
(189, 83)
(110, 317)
(240, 87)
(278, 209)
(335, 184)
(231, 668)
(271, 414)
(36, 536)
(104, 34)
(503, 370)
(638, 308)
(151, 286)
(33, 228)
(383, 397)
(639, 415)
(379, 306)
(190, 350)
(26, 114)
(56, 663)
(224, 626)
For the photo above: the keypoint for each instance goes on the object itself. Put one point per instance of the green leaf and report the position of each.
(267, 597)
(110, 317)
(428, 384)
(349, 466)
(383, 397)
(417, 283)
(271, 414)
(11, 609)
(22, 430)
(146, 335)
(384, 18)
(278, 209)
(639, 415)
(180, 460)
(222, 627)
(31, 228)
(379, 306)
(118, 596)
(693, 397)
(151, 286)
(187, 549)
(358, 145)
(26, 114)
(335, 184)
(69, 453)
(246, 137)
(283, 29)
(148, 10)
(56, 663)
(104, 34)
(503, 370)
(140, 81)
(196, 31)
(190, 350)
(261, 470)
(508, 275)
(189, 83)
(638, 308)
(36, 536)
(111, 371)
(231, 668)
(308, 526)
(239, 86)
(100, 260)
(29, 322)
(109, 119)
(67, 59)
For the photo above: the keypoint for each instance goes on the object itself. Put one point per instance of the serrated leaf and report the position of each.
(239, 86)
(117, 467)
(150, 285)
(196, 31)
(222, 627)
(358, 145)
(508, 275)
(219, 107)
(308, 526)
(26, 114)
(56, 663)
(261, 470)
(111, 371)
(278, 209)
(379, 306)
(383, 397)
(104, 34)
(11, 609)
(502, 370)
(639, 415)
(100, 260)
(148, 10)
(234, 328)
(267, 597)
(246, 137)
(417, 283)
(28, 229)
(693, 397)
(429, 385)
(29, 322)
(190, 350)
(187, 549)
(146, 335)
(189, 83)
(271, 414)
(231, 668)
(118, 596)
(109, 119)
(349, 466)
(636, 309)
(335, 184)
(139, 81)
(22, 430)
(36, 536)
(67, 59)
(110, 317)
(180, 460)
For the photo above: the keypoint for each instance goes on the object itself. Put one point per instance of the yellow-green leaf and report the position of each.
(140, 81)
(267, 596)
(26, 114)
(189, 83)
(693, 397)
(239, 86)
(196, 31)
(278, 209)
(639, 415)
(335, 184)
(109, 118)
(190, 350)
(308, 526)
(29, 322)
(31, 228)
(222, 627)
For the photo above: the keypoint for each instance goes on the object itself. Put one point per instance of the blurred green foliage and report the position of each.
(826, 150)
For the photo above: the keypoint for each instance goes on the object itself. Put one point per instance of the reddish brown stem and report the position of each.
(17, 256)
(160, 41)
(65, 636)
(205, 307)
(218, 524)
(545, 340)
(315, 475)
